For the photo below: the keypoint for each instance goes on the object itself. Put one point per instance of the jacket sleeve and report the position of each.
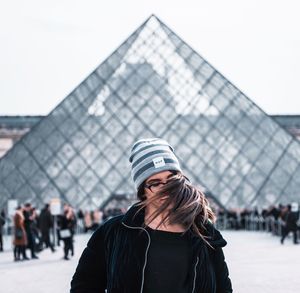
(222, 273)
(90, 274)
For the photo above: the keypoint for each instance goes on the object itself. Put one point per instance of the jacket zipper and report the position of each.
(195, 274)
(146, 253)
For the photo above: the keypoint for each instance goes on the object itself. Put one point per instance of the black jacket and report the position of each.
(116, 256)
(45, 221)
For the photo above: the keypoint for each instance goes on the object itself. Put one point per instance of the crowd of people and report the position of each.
(279, 220)
(34, 230)
(31, 231)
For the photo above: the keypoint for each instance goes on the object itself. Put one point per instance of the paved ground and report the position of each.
(257, 263)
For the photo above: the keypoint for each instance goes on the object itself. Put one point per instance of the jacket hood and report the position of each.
(215, 238)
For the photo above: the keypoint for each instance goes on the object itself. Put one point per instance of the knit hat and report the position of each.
(150, 156)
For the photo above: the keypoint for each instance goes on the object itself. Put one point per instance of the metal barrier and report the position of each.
(252, 223)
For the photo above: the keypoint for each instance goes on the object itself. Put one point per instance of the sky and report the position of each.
(48, 47)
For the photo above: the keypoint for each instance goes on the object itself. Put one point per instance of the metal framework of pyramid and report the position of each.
(153, 85)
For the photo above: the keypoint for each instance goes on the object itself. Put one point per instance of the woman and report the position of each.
(164, 243)
(67, 230)
(20, 238)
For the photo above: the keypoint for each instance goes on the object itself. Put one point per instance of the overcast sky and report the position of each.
(48, 47)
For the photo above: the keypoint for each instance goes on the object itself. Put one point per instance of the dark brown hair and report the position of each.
(185, 204)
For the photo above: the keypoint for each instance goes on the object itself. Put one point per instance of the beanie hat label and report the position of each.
(159, 162)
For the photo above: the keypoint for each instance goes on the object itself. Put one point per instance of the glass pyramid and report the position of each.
(153, 85)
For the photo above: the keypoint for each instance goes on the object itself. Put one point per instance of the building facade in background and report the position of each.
(153, 85)
(12, 128)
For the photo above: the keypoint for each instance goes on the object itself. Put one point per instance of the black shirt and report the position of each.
(168, 262)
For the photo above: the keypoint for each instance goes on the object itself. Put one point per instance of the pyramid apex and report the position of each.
(152, 17)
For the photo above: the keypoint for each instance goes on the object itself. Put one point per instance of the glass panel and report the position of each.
(294, 150)
(64, 181)
(219, 164)
(241, 164)
(70, 103)
(29, 167)
(49, 192)
(13, 181)
(205, 152)
(78, 140)
(66, 153)
(282, 138)
(195, 61)
(251, 151)
(55, 141)
(220, 102)
(42, 153)
(273, 150)
(53, 167)
(112, 180)
(44, 128)
(75, 194)
(183, 152)
(268, 126)
(264, 163)
(4, 195)
(234, 183)
(101, 167)
(17, 157)
(88, 180)
(280, 177)
(296, 175)
(39, 181)
(246, 125)
(255, 177)
(89, 153)
(32, 141)
(26, 194)
(228, 150)
(112, 153)
(113, 127)
(81, 92)
(94, 81)
(68, 127)
(58, 116)
(288, 163)
(233, 113)
(260, 138)
(77, 166)
(288, 194)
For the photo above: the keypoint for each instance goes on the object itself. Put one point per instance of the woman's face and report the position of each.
(154, 183)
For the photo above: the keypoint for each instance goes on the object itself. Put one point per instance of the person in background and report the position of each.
(45, 224)
(80, 217)
(97, 219)
(20, 237)
(2, 223)
(87, 221)
(67, 230)
(35, 230)
(165, 243)
(28, 220)
(290, 224)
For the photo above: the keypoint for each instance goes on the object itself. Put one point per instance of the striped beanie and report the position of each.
(151, 156)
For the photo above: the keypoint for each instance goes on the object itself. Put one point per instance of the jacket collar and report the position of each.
(135, 216)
